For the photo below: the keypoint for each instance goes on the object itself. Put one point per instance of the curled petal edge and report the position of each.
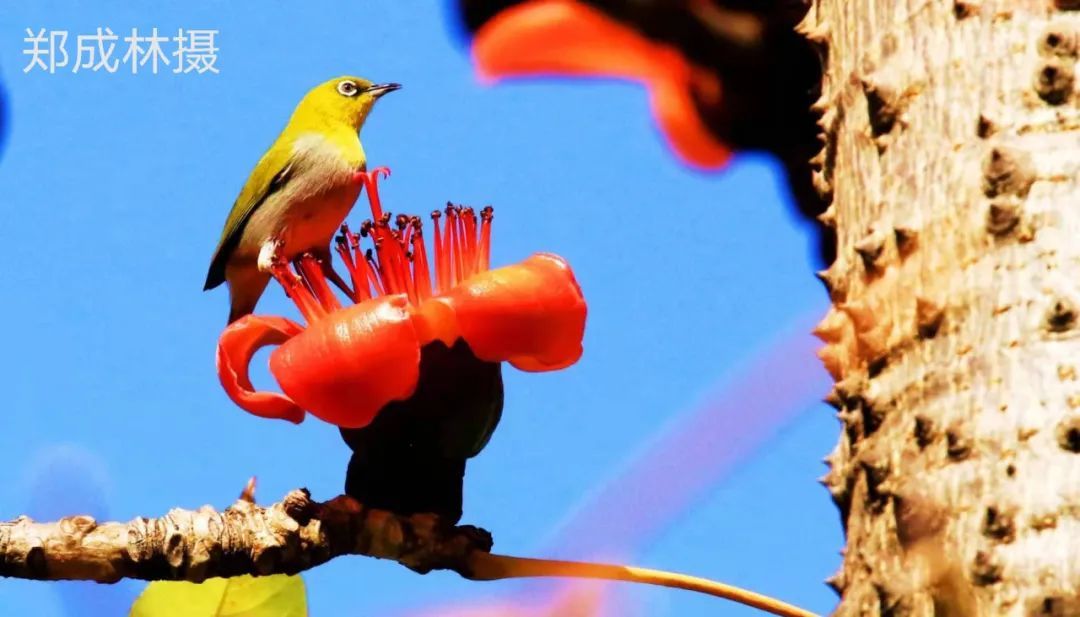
(566, 37)
(237, 345)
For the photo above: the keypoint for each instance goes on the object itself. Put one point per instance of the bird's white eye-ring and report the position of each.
(348, 88)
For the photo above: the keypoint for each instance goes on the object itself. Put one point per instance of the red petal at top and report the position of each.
(530, 314)
(565, 37)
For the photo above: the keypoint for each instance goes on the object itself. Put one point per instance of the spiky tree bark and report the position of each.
(951, 155)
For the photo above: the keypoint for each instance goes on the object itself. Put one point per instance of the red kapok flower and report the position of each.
(568, 37)
(351, 361)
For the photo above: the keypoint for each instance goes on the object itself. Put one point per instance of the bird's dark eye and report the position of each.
(347, 88)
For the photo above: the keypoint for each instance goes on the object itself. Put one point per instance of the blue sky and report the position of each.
(113, 188)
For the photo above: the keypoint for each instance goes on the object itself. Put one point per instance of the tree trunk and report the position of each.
(952, 144)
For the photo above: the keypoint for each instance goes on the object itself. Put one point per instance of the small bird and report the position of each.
(299, 193)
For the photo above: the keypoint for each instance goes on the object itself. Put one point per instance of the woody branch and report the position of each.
(287, 537)
(290, 536)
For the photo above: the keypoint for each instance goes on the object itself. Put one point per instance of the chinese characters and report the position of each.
(190, 51)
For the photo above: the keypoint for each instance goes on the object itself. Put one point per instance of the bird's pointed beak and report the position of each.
(380, 89)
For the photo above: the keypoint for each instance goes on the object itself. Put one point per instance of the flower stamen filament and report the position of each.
(397, 262)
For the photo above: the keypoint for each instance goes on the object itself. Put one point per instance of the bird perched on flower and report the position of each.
(410, 370)
(299, 193)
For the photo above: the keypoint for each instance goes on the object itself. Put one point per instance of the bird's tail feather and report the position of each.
(236, 312)
(245, 289)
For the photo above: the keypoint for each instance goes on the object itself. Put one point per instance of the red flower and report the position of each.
(566, 37)
(351, 361)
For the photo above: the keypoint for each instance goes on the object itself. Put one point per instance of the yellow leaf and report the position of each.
(241, 596)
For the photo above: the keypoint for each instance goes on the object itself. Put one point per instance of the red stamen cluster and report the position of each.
(399, 262)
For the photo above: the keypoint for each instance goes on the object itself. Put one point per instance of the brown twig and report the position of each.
(248, 494)
(290, 536)
(488, 567)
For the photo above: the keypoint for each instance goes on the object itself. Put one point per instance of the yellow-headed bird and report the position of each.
(297, 196)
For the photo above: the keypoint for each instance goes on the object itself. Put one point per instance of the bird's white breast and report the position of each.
(306, 212)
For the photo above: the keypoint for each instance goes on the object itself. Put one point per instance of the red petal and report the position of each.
(685, 130)
(348, 365)
(564, 37)
(560, 37)
(531, 314)
(237, 345)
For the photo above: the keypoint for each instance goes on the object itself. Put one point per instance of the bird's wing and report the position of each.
(270, 175)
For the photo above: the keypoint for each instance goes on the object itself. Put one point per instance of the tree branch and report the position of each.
(292, 535)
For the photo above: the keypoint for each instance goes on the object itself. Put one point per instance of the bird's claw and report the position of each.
(270, 256)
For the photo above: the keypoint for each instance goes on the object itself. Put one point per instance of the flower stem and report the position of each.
(489, 567)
